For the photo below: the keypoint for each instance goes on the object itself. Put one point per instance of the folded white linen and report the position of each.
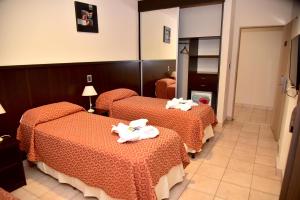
(181, 104)
(137, 130)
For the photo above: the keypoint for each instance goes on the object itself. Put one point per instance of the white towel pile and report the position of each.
(181, 104)
(136, 130)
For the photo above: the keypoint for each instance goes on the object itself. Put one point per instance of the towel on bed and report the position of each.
(136, 130)
(180, 104)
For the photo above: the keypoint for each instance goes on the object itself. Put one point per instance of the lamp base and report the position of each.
(91, 110)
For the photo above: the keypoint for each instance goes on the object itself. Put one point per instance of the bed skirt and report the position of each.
(162, 189)
(208, 133)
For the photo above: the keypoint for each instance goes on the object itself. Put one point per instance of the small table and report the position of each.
(11, 167)
(101, 112)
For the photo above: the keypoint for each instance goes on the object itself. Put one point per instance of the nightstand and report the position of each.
(11, 167)
(101, 112)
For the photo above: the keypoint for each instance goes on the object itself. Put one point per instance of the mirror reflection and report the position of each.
(159, 44)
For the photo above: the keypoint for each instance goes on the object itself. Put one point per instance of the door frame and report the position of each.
(238, 57)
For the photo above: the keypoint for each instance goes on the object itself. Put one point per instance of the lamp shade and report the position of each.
(89, 91)
(2, 111)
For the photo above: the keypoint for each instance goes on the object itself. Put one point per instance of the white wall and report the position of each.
(258, 66)
(193, 19)
(37, 32)
(290, 103)
(152, 29)
(249, 14)
(226, 46)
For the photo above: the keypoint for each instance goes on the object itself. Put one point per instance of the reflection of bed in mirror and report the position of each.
(158, 55)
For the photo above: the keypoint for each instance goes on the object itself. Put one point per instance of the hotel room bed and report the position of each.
(190, 125)
(78, 148)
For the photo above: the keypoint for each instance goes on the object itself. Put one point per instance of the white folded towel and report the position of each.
(137, 130)
(181, 104)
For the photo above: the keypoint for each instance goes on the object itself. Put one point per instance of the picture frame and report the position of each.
(167, 35)
(86, 17)
(201, 97)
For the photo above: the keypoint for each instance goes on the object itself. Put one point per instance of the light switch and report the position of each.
(89, 78)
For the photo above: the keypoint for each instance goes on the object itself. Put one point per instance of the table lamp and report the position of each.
(2, 111)
(89, 91)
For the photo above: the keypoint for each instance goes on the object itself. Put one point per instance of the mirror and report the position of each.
(158, 52)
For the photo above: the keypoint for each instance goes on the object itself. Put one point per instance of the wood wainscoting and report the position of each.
(153, 70)
(28, 86)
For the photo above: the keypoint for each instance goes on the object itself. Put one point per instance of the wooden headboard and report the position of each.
(25, 87)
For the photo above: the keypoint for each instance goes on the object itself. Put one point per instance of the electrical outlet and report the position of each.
(168, 68)
(89, 78)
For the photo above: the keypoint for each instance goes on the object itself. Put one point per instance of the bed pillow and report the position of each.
(33, 117)
(105, 100)
(49, 112)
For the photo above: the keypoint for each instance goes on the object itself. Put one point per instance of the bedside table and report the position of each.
(101, 112)
(11, 167)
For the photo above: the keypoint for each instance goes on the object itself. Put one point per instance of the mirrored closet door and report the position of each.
(158, 52)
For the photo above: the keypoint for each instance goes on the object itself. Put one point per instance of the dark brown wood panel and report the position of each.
(25, 87)
(147, 5)
(154, 70)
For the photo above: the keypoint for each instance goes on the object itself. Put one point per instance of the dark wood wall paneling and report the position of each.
(25, 87)
(147, 5)
(154, 70)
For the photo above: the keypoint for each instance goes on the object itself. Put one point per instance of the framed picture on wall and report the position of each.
(201, 97)
(167, 34)
(86, 17)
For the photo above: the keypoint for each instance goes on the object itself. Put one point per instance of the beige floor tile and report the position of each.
(218, 198)
(178, 189)
(251, 127)
(215, 159)
(223, 151)
(232, 192)
(23, 194)
(238, 178)
(266, 152)
(247, 140)
(81, 197)
(225, 144)
(210, 171)
(257, 195)
(267, 172)
(204, 184)
(36, 188)
(248, 156)
(240, 166)
(62, 191)
(191, 169)
(266, 185)
(250, 135)
(246, 148)
(265, 160)
(270, 144)
(190, 194)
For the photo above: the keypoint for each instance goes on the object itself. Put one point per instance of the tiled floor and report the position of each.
(239, 163)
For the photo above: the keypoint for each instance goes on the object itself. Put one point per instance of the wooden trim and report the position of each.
(46, 65)
(202, 38)
(26, 86)
(148, 5)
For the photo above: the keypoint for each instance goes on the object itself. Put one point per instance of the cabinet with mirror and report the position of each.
(193, 51)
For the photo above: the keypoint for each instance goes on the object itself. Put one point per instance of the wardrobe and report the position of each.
(198, 45)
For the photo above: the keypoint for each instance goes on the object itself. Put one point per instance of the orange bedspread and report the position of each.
(189, 125)
(82, 145)
(4, 195)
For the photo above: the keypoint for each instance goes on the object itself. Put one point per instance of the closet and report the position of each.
(199, 52)
(198, 46)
